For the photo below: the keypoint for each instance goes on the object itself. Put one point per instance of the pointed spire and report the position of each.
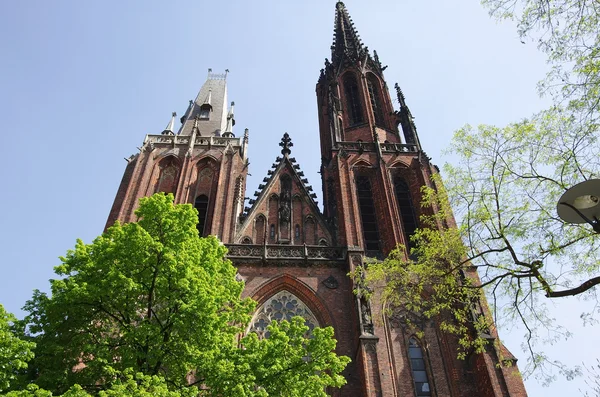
(346, 40)
(286, 144)
(230, 123)
(169, 128)
(400, 95)
(406, 120)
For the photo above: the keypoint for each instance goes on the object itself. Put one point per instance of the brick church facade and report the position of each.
(293, 258)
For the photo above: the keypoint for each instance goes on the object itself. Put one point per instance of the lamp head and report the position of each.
(580, 202)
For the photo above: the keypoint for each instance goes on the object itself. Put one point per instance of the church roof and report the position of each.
(212, 97)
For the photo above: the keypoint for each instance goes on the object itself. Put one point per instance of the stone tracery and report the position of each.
(282, 306)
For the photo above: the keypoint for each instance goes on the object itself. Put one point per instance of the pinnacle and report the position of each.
(346, 40)
(286, 144)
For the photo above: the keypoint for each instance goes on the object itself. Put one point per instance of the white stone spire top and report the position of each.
(230, 123)
(169, 128)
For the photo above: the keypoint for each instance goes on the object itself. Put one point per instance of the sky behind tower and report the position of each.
(83, 82)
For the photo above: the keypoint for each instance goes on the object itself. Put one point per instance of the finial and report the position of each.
(169, 128)
(230, 123)
(286, 144)
(400, 95)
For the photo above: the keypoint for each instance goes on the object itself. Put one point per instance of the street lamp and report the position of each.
(581, 204)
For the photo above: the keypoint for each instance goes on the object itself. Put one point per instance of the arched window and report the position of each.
(367, 213)
(169, 175)
(297, 231)
(375, 96)
(282, 306)
(417, 365)
(272, 232)
(353, 102)
(406, 208)
(201, 204)
(259, 229)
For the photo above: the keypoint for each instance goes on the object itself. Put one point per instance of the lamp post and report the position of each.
(581, 204)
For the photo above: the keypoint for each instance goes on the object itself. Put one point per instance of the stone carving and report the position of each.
(282, 306)
(285, 200)
(331, 282)
(250, 251)
(199, 141)
(405, 319)
(357, 146)
(387, 147)
(367, 319)
(370, 345)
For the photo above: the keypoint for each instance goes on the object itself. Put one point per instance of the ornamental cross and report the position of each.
(286, 144)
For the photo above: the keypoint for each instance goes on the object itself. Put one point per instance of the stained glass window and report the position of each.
(282, 306)
(407, 210)
(353, 99)
(417, 364)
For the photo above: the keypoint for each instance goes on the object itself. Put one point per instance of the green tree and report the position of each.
(568, 32)
(153, 298)
(14, 351)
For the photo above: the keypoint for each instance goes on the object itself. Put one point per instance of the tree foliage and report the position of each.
(568, 32)
(14, 351)
(152, 298)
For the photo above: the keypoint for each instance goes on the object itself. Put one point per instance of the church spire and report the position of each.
(406, 120)
(210, 107)
(346, 41)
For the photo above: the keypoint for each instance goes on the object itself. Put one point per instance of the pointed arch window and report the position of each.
(259, 229)
(418, 367)
(353, 102)
(282, 306)
(201, 204)
(376, 103)
(169, 176)
(367, 213)
(406, 209)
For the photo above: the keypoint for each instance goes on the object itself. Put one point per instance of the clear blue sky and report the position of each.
(82, 83)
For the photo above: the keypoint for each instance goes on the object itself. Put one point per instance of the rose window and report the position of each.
(282, 306)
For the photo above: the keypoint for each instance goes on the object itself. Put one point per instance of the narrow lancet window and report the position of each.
(417, 364)
(353, 102)
(406, 209)
(201, 204)
(376, 104)
(367, 213)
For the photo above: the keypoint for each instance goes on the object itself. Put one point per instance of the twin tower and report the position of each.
(294, 258)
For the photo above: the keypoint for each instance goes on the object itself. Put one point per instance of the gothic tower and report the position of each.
(295, 259)
(203, 163)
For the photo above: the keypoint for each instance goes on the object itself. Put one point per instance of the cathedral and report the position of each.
(295, 258)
